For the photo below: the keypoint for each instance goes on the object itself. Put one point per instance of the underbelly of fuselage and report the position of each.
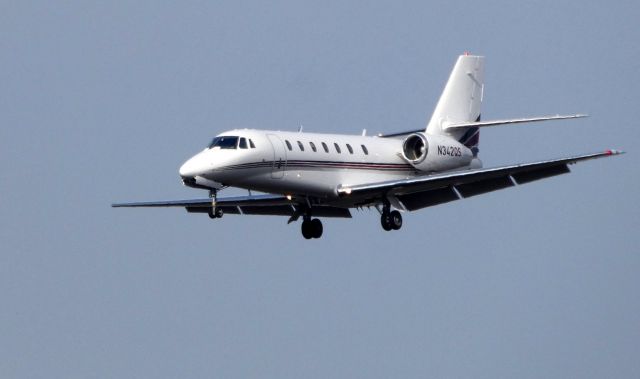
(306, 181)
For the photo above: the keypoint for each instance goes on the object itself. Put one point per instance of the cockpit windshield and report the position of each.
(224, 142)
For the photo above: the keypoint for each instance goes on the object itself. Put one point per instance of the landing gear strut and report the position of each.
(214, 212)
(390, 220)
(311, 228)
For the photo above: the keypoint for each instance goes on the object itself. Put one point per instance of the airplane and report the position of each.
(313, 176)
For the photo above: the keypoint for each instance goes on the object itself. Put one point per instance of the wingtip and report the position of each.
(614, 152)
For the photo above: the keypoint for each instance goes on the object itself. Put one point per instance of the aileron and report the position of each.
(541, 173)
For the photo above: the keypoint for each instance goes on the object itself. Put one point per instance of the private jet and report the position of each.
(312, 175)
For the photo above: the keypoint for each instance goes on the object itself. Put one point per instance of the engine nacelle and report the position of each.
(428, 152)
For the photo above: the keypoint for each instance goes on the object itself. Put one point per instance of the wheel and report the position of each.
(395, 219)
(385, 221)
(316, 228)
(307, 229)
(215, 213)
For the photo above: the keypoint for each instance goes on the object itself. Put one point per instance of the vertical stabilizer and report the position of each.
(460, 101)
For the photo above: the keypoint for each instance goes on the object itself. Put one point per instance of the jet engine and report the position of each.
(428, 152)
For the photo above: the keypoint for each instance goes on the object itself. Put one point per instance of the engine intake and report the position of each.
(415, 148)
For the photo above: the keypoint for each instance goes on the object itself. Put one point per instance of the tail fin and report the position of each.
(460, 102)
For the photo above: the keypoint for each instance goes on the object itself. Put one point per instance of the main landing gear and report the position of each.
(311, 228)
(390, 220)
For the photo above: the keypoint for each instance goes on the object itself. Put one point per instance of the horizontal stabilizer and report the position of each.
(463, 125)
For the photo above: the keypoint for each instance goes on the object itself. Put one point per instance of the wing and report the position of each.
(273, 205)
(421, 192)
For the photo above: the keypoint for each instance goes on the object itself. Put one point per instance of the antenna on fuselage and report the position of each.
(364, 132)
(300, 128)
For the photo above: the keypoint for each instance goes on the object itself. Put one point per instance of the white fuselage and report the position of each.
(308, 164)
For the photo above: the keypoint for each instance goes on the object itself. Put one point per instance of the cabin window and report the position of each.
(243, 143)
(364, 150)
(313, 146)
(301, 146)
(251, 144)
(224, 142)
(288, 145)
(337, 147)
(325, 147)
(350, 149)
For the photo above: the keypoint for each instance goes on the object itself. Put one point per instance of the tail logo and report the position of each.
(471, 138)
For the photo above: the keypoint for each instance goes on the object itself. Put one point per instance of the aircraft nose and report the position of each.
(192, 167)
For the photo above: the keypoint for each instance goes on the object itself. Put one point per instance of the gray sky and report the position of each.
(102, 103)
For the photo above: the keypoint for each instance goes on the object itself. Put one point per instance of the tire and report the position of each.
(215, 213)
(395, 220)
(316, 228)
(307, 229)
(385, 221)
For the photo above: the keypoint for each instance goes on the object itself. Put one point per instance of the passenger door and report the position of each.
(279, 157)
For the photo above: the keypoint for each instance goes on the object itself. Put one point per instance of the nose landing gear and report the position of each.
(214, 212)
